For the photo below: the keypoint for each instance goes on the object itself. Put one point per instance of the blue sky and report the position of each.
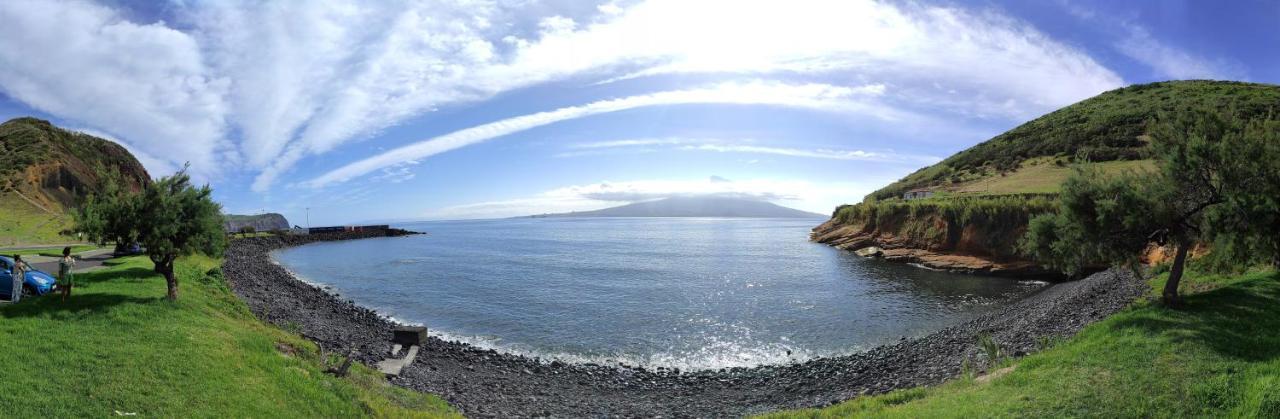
(393, 110)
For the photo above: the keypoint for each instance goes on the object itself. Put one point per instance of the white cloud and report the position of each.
(745, 147)
(1170, 62)
(630, 143)
(992, 66)
(814, 96)
(1006, 68)
(821, 153)
(804, 195)
(259, 86)
(145, 84)
(1136, 42)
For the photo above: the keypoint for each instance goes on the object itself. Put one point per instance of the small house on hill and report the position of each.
(917, 194)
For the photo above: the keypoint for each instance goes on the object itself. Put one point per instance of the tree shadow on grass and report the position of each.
(134, 273)
(52, 304)
(1236, 321)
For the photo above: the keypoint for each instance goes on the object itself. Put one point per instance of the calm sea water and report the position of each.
(683, 293)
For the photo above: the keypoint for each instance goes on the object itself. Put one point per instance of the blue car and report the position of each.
(35, 283)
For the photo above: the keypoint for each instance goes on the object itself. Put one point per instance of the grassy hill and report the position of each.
(47, 171)
(1217, 357)
(118, 348)
(1105, 128)
(984, 196)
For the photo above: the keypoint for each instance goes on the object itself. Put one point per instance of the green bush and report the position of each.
(999, 217)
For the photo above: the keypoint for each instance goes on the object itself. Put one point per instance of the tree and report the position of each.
(1205, 189)
(170, 218)
(107, 216)
(178, 219)
(247, 230)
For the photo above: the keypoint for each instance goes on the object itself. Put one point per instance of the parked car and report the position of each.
(127, 250)
(35, 283)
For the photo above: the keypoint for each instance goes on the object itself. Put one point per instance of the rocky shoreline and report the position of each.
(486, 383)
(869, 242)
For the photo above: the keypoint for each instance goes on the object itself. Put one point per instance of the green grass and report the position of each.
(1217, 357)
(51, 251)
(117, 345)
(1040, 178)
(22, 223)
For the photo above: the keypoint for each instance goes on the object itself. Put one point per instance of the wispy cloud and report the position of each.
(629, 143)
(744, 147)
(260, 86)
(813, 96)
(146, 85)
(1136, 42)
(1168, 61)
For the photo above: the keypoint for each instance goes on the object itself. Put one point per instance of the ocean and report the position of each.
(688, 293)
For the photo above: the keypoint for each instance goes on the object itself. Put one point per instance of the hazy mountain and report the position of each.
(695, 207)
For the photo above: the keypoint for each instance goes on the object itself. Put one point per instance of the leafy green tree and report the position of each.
(107, 216)
(178, 219)
(1211, 166)
(170, 218)
(247, 230)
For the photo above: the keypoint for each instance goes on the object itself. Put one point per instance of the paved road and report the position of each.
(86, 261)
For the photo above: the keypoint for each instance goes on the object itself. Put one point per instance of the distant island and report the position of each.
(694, 207)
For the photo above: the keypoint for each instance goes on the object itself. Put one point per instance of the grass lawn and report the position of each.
(51, 251)
(1040, 176)
(1218, 357)
(21, 222)
(119, 346)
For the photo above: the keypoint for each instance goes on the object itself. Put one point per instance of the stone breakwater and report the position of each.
(486, 383)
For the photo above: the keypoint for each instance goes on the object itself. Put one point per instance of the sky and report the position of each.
(339, 113)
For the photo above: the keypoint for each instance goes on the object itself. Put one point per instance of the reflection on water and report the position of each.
(685, 293)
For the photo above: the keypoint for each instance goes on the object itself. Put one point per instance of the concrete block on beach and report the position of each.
(410, 335)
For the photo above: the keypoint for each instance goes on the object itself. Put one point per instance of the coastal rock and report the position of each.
(870, 252)
(961, 252)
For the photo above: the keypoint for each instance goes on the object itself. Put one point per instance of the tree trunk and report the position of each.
(165, 267)
(1170, 295)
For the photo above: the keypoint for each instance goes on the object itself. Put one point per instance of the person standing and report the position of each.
(19, 277)
(65, 265)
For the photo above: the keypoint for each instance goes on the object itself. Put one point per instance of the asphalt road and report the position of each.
(86, 261)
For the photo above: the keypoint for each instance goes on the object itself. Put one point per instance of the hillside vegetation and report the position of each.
(983, 197)
(1107, 127)
(49, 170)
(118, 348)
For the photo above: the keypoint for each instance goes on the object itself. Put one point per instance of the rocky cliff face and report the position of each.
(937, 241)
